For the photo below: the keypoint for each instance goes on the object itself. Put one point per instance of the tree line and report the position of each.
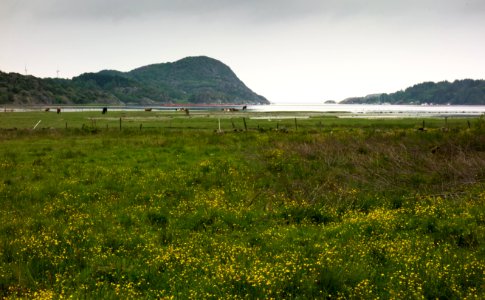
(458, 92)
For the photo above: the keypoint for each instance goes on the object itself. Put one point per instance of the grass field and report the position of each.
(165, 206)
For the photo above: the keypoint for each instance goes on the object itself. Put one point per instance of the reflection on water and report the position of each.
(367, 109)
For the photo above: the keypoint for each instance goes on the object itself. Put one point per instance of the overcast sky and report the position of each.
(290, 51)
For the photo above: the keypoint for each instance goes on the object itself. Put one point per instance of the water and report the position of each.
(345, 110)
(376, 110)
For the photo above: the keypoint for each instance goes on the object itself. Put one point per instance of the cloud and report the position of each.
(258, 11)
(122, 9)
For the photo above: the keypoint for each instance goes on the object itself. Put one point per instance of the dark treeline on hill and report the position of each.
(458, 92)
(197, 80)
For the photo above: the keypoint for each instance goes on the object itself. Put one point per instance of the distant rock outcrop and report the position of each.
(198, 80)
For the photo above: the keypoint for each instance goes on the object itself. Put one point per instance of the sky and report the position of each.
(290, 51)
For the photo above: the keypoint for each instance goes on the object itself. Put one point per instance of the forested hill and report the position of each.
(198, 80)
(458, 92)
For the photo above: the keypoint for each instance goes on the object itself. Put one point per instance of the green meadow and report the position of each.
(143, 205)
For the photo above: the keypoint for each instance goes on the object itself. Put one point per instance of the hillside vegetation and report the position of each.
(189, 80)
(459, 92)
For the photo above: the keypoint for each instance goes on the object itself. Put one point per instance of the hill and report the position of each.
(189, 80)
(458, 92)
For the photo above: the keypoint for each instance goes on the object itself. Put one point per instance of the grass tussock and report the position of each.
(356, 211)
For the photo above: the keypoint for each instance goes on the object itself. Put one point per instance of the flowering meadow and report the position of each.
(348, 211)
